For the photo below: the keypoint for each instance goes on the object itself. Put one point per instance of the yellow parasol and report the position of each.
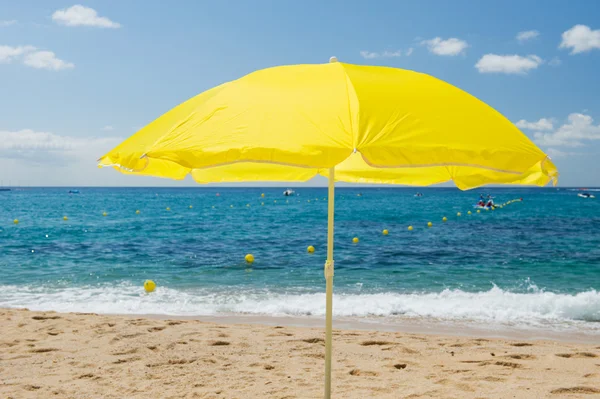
(352, 123)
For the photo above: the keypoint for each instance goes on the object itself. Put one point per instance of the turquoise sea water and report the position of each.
(532, 264)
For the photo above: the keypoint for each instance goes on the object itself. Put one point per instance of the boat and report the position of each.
(477, 206)
(485, 204)
(418, 195)
(586, 195)
(289, 192)
(73, 191)
(4, 189)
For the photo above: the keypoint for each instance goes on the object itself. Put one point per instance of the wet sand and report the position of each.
(46, 354)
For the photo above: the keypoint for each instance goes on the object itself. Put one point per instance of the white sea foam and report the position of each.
(496, 306)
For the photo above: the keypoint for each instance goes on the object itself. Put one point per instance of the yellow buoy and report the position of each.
(308, 201)
(190, 207)
(263, 195)
(231, 206)
(16, 221)
(487, 209)
(478, 210)
(213, 207)
(355, 240)
(149, 285)
(248, 205)
(249, 258)
(410, 228)
(275, 201)
(104, 214)
(459, 214)
(429, 224)
(385, 232)
(168, 209)
(262, 204)
(65, 218)
(469, 212)
(137, 212)
(310, 249)
(444, 219)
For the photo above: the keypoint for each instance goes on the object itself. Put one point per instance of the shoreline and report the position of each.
(75, 355)
(411, 326)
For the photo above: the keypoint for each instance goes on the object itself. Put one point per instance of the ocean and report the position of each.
(533, 265)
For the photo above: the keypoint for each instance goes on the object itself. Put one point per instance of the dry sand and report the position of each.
(55, 355)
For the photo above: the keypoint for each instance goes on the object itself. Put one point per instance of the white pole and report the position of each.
(329, 283)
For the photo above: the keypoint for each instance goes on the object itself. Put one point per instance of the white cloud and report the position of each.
(542, 124)
(5, 23)
(448, 47)
(580, 39)
(556, 153)
(79, 15)
(527, 35)
(36, 158)
(369, 55)
(9, 54)
(578, 128)
(555, 61)
(409, 52)
(27, 140)
(508, 64)
(108, 128)
(33, 57)
(46, 60)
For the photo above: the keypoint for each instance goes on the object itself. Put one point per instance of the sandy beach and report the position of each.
(47, 354)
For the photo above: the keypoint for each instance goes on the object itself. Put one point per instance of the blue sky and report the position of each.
(76, 78)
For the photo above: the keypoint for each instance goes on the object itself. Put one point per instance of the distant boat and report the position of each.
(4, 189)
(73, 191)
(585, 195)
(289, 192)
